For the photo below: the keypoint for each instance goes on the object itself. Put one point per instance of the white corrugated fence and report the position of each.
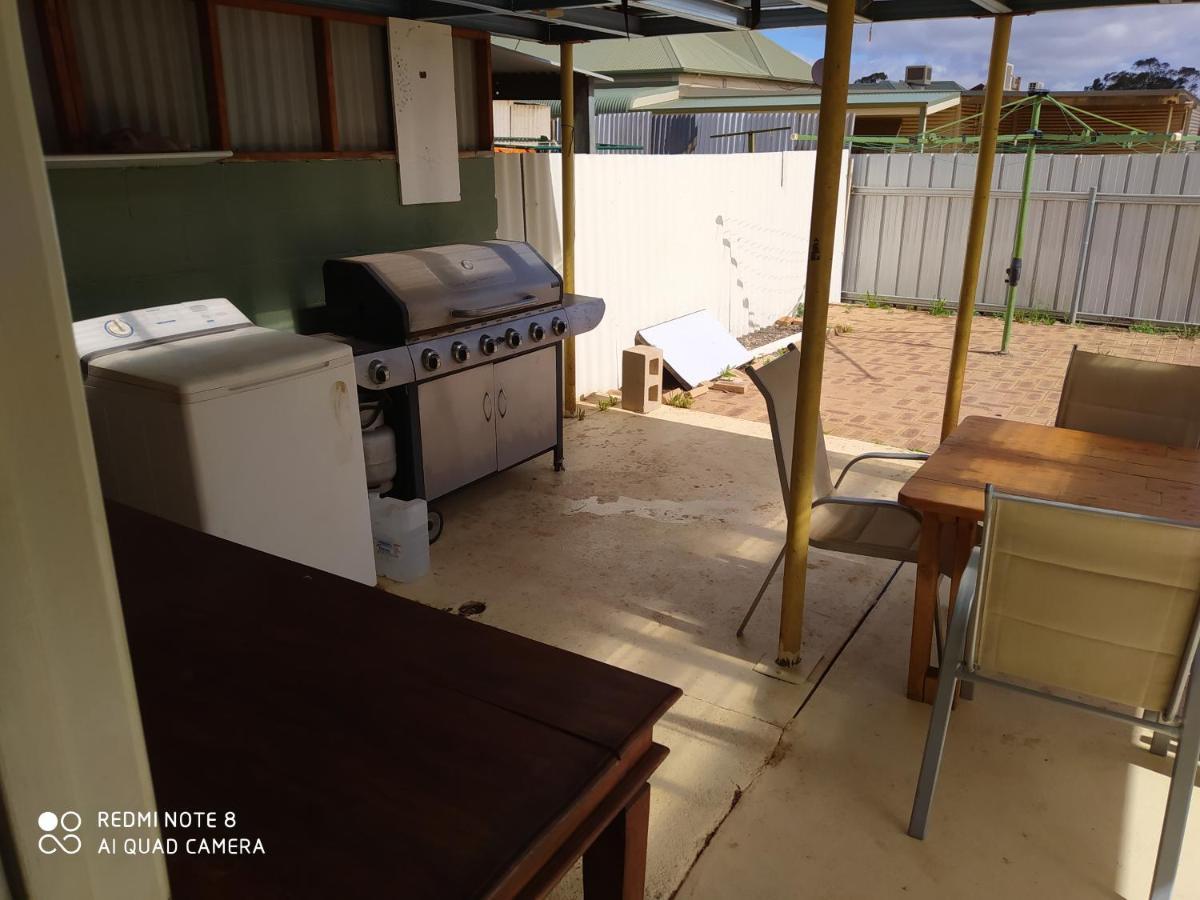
(661, 236)
(908, 217)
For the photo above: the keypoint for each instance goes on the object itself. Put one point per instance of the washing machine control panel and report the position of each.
(154, 325)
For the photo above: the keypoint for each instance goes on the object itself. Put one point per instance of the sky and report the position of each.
(1066, 50)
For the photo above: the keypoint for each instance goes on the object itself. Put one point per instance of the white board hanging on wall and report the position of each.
(421, 56)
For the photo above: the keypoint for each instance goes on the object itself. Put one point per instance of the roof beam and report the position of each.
(892, 11)
(822, 7)
(592, 23)
(519, 5)
(993, 6)
(707, 12)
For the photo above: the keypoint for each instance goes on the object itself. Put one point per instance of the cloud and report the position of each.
(1066, 50)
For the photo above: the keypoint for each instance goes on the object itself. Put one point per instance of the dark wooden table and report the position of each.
(377, 747)
(1035, 461)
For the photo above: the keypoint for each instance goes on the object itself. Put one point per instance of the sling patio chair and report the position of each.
(1131, 398)
(1095, 609)
(863, 526)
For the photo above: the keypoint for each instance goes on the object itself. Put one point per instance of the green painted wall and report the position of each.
(254, 232)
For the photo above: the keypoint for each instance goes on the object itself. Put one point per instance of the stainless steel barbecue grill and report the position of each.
(458, 358)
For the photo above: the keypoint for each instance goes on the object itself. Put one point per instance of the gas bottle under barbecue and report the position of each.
(458, 357)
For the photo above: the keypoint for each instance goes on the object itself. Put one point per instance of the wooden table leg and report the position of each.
(614, 867)
(924, 603)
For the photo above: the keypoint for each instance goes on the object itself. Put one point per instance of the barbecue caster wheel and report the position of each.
(434, 519)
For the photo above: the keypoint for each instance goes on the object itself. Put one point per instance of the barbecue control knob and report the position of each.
(430, 359)
(487, 345)
(512, 337)
(459, 352)
(378, 371)
(536, 331)
(559, 327)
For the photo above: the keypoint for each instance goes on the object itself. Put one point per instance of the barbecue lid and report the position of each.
(396, 296)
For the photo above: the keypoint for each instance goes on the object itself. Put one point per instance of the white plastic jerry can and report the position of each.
(401, 532)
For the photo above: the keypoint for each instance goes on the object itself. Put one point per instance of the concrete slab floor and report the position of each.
(1034, 800)
(645, 554)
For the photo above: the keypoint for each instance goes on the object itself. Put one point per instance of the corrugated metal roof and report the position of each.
(745, 54)
(907, 86)
(612, 100)
(780, 102)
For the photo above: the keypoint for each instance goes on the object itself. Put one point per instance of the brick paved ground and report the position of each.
(885, 380)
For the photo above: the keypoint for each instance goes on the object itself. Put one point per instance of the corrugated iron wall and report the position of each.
(695, 132)
(360, 76)
(908, 217)
(270, 80)
(140, 61)
(466, 94)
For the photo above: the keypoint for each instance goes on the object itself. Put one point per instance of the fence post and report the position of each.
(1084, 245)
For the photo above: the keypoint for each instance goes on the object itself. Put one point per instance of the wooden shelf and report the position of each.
(134, 160)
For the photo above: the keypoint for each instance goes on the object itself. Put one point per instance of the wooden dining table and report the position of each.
(1034, 461)
(366, 746)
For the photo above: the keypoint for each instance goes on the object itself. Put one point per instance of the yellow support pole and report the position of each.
(831, 137)
(566, 71)
(989, 130)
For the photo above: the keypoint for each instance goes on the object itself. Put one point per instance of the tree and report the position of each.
(873, 78)
(1150, 74)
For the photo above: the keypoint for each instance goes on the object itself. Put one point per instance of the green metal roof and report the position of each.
(612, 99)
(744, 54)
(785, 102)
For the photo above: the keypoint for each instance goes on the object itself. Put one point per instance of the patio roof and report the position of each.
(557, 21)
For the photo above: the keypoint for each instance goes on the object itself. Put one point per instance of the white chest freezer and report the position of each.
(243, 432)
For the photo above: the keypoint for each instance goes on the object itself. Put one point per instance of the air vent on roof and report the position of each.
(918, 74)
(1036, 86)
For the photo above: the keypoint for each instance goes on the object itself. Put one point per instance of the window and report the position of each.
(262, 78)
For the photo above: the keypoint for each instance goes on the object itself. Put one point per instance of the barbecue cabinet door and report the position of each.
(458, 429)
(526, 407)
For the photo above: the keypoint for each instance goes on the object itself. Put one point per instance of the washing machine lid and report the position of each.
(201, 367)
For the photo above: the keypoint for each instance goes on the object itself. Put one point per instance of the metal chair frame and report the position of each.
(829, 499)
(1180, 721)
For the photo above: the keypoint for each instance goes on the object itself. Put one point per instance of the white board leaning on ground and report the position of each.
(695, 347)
(421, 59)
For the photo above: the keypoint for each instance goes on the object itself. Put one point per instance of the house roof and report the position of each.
(744, 54)
(941, 86)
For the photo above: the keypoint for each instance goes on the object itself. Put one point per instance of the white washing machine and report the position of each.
(244, 432)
